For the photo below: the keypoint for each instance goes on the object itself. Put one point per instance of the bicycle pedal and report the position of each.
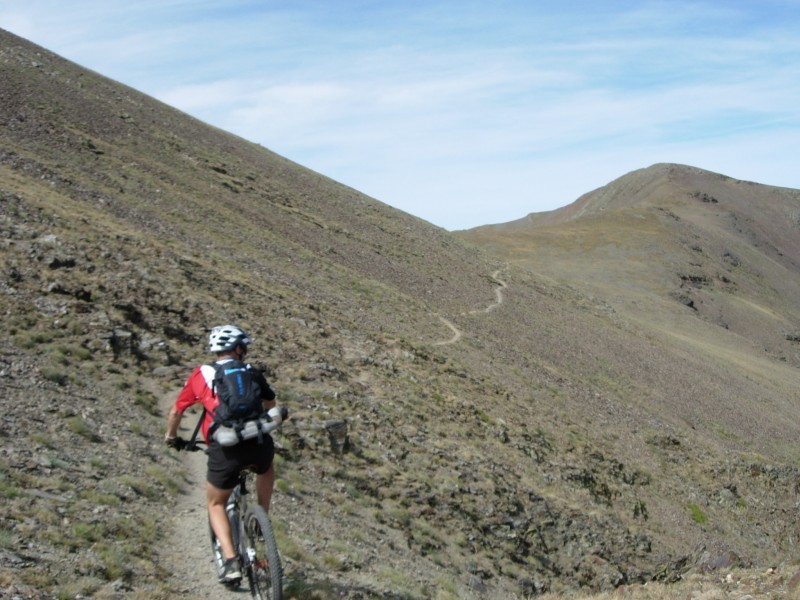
(233, 584)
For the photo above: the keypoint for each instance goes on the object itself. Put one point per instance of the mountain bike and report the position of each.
(254, 539)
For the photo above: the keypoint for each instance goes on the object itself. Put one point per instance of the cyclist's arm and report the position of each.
(173, 422)
(267, 394)
(270, 401)
(187, 397)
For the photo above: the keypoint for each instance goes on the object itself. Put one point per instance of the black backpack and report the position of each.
(239, 392)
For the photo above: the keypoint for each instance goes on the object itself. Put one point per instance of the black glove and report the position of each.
(178, 443)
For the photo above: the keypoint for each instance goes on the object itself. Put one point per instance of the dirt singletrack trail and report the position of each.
(186, 548)
(456, 333)
(499, 299)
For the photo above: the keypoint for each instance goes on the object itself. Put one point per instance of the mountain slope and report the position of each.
(508, 433)
(729, 250)
(702, 262)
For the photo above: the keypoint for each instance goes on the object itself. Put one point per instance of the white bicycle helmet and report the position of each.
(225, 338)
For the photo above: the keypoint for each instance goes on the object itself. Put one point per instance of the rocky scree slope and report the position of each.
(543, 451)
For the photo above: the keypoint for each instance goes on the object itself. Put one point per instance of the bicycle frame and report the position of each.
(254, 541)
(235, 508)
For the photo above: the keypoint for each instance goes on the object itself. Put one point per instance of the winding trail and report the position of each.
(500, 298)
(454, 329)
(186, 554)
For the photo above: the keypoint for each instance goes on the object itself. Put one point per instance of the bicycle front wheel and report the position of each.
(216, 551)
(216, 547)
(264, 569)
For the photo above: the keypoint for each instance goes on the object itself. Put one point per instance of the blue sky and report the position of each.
(461, 112)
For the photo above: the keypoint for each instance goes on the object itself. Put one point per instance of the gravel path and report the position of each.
(189, 556)
(187, 550)
(457, 335)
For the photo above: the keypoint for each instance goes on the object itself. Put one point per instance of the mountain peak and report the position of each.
(661, 184)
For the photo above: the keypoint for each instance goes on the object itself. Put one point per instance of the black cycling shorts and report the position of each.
(225, 462)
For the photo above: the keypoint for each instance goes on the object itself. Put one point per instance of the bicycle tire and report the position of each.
(264, 568)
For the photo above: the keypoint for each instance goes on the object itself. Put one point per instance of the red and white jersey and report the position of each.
(198, 389)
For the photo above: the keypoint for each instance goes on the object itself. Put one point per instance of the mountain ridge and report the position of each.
(729, 242)
(562, 441)
(637, 187)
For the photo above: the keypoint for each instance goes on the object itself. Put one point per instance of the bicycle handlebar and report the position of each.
(194, 446)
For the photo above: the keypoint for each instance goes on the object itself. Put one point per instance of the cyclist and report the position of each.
(228, 342)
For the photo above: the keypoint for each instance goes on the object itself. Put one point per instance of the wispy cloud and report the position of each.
(460, 112)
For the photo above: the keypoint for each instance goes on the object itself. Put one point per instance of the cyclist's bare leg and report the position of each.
(264, 485)
(217, 498)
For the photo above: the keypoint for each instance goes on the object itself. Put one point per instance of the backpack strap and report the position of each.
(214, 424)
(216, 368)
(203, 414)
(197, 428)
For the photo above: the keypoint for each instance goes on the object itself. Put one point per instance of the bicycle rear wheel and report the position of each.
(264, 569)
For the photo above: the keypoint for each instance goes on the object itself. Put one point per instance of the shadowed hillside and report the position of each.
(514, 427)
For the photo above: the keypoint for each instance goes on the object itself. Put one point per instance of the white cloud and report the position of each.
(460, 113)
